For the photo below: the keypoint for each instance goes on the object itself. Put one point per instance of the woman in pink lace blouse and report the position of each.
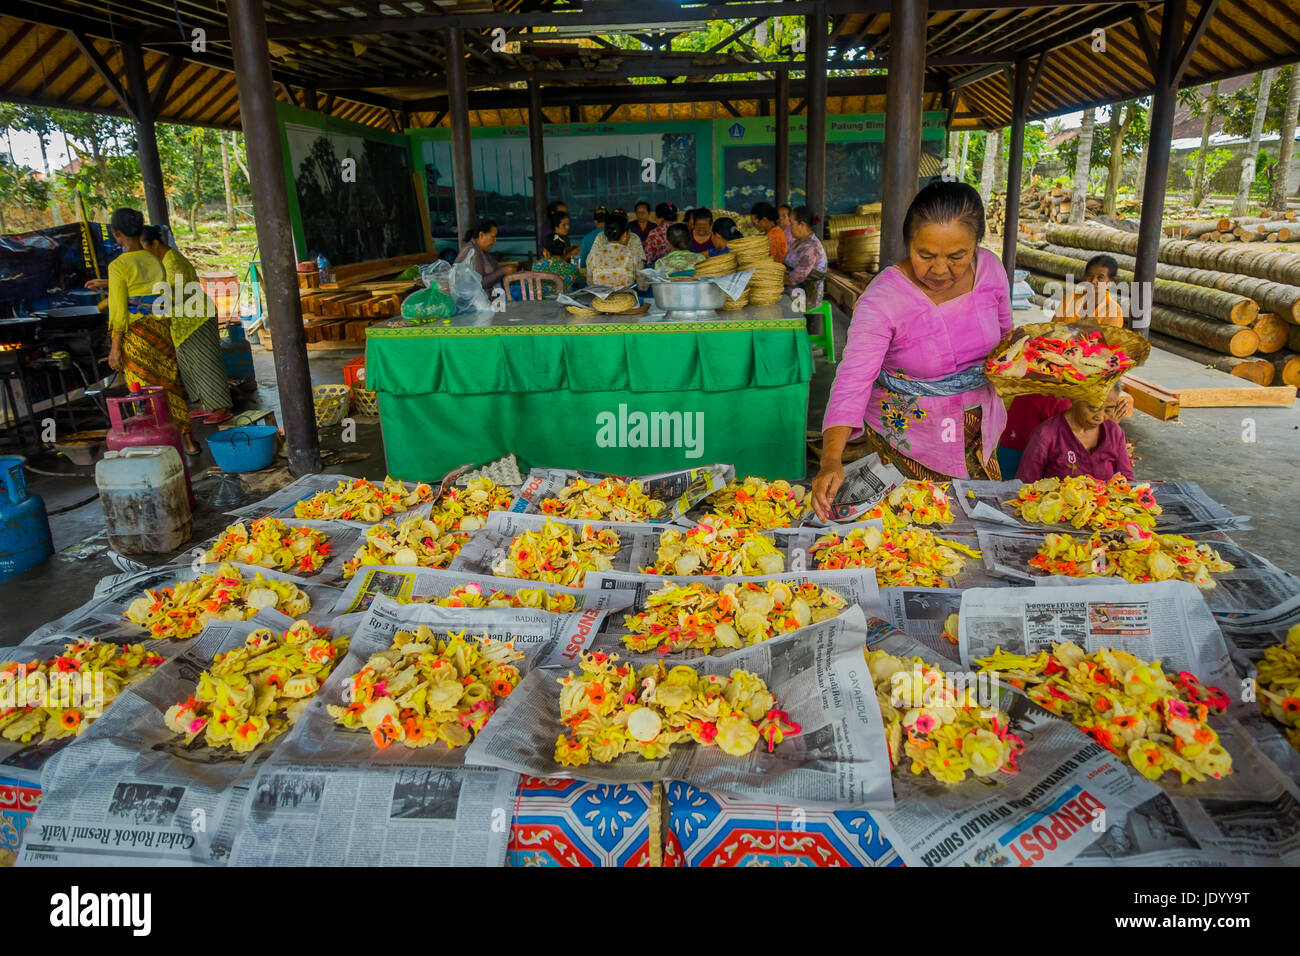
(912, 374)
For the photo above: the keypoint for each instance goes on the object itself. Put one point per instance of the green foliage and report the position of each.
(1238, 109)
(1035, 150)
(1134, 139)
(1215, 160)
(19, 186)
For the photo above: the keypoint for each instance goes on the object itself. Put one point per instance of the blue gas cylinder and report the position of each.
(24, 526)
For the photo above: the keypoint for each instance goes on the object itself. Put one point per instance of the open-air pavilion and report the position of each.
(415, 65)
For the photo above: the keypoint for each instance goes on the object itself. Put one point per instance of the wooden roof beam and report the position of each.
(39, 54)
(100, 65)
(21, 34)
(163, 87)
(1199, 26)
(1270, 28)
(1146, 38)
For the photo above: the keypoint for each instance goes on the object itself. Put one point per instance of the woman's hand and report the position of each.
(96, 283)
(1124, 407)
(826, 485)
(115, 358)
(508, 268)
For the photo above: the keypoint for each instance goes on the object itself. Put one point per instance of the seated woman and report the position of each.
(1082, 440)
(615, 262)
(805, 262)
(656, 244)
(556, 250)
(478, 242)
(724, 231)
(681, 261)
(701, 220)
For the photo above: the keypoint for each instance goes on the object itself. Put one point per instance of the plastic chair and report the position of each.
(532, 284)
(826, 337)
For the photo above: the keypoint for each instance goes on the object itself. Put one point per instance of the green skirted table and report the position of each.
(624, 394)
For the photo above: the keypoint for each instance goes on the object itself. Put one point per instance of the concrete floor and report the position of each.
(1255, 478)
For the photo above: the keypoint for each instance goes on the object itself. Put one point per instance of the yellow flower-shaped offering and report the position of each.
(716, 546)
(1129, 706)
(270, 543)
(612, 499)
(946, 730)
(902, 555)
(916, 502)
(473, 596)
(421, 690)
(466, 509)
(755, 503)
(254, 693)
(362, 500)
(63, 695)
(678, 617)
(1088, 503)
(1278, 684)
(611, 709)
(558, 555)
(182, 610)
(1134, 554)
(415, 542)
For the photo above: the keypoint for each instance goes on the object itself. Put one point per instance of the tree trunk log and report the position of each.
(1271, 296)
(1228, 339)
(1226, 306)
(1286, 367)
(1272, 331)
(1258, 371)
(1261, 262)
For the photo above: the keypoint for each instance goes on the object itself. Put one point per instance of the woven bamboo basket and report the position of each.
(331, 402)
(714, 266)
(365, 400)
(859, 251)
(1093, 390)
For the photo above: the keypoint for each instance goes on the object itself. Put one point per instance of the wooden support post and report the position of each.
(904, 89)
(815, 76)
(247, 24)
(782, 126)
(536, 124)
(1015, 165)
(146, 137)
(462, 163)
(1163, 105)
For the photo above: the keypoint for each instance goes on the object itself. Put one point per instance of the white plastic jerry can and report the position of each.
(146, 506)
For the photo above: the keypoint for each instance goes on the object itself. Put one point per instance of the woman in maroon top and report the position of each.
(641, 225)
(1083, 440)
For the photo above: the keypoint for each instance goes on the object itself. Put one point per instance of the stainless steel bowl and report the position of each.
(688, 296)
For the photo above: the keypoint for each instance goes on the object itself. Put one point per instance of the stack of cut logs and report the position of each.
(1039, 205)
(1236, 308)
(1274, 227)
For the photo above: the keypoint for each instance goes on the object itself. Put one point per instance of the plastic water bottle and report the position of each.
(323, 267)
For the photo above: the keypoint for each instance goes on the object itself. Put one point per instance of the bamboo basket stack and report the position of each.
(861, 255)
(750, 251)
(1233, 307)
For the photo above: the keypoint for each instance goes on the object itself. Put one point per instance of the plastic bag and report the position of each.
(467, 289)
(437, 273)
(428, 303)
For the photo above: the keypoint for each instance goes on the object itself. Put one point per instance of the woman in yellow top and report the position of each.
(194, 331)
(142, 344)
(1093, 300)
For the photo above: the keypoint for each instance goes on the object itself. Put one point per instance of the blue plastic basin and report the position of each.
(250, 448)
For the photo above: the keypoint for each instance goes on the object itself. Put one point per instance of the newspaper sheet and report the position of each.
(1255, 584)
(1044, 815)
(343, 540)
(24, 761)
(132, 791)
(1186, 507)
(1249, 818)
(280, 504)
(1169, 622)
(818, 676)
(679, 490)
(317, 739)
(639, 543)
(415, 585)
(1249, 635)
(920, 613)
(400, 815)
(867, 482)
(102, 616)
(857, 586)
